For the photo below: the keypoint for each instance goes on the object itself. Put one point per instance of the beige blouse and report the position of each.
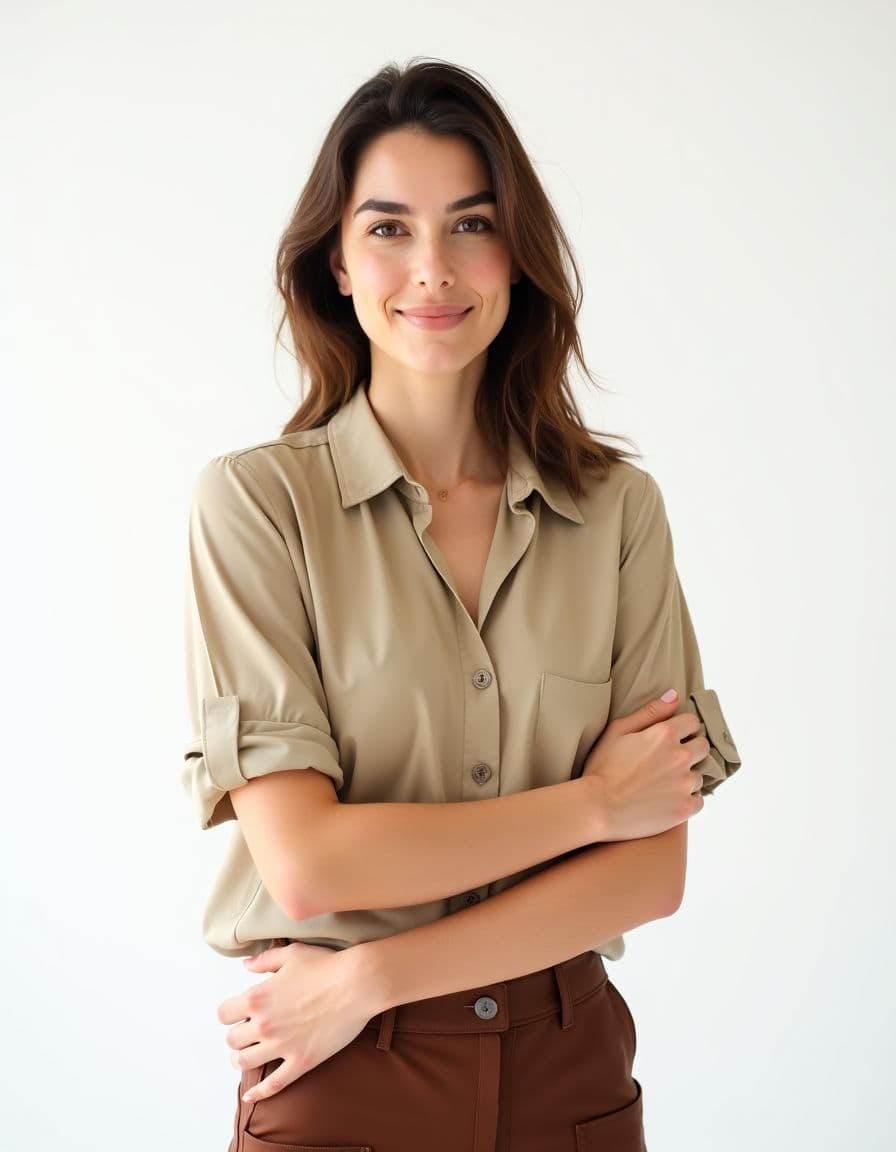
(323, 630)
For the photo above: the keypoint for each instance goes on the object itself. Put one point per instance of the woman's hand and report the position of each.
(642, 766)
(315, 1003)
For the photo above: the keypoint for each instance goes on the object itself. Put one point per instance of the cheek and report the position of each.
(493, 272)
(375, 274)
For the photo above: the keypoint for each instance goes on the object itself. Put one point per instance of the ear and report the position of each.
(337, 267)
(516, 273)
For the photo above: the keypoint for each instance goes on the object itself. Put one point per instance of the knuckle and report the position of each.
(254, 999)
(667, 733)
(658, 736)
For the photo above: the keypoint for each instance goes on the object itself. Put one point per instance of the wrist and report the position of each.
(370, 976)
(597, 806)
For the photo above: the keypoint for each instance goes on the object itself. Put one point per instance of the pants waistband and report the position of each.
(497, 1007)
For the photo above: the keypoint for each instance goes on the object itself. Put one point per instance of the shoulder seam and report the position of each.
(251, 471)
(320, 438)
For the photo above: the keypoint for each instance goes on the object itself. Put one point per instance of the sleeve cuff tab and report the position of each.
(220, 721)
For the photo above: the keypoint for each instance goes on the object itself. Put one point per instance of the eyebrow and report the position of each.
(484, 197)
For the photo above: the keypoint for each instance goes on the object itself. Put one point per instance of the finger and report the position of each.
(241, 1035)
(233, 1010)
(251, 1055)
(654, 710)
(271, 960)
(686, 724)
(699, 749)
(273, 1083)
(264, 962)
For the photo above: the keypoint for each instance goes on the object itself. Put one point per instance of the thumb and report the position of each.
(659, 708)
(259, 962)
(271, 959)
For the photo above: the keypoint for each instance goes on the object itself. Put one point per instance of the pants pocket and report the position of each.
(621, 1130)
(253, 1144)
(299, 1118)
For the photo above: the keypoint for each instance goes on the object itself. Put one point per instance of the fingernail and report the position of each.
(669, 695)
(247, 1096)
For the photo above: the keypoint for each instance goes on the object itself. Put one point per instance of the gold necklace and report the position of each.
(442, 493)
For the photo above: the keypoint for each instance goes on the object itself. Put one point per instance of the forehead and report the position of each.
(419, 168)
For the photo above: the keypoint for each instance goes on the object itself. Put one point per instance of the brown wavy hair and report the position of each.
(526, 382)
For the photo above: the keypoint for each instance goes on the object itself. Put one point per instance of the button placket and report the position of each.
(481, 773)
(481, 741)
(482, 713)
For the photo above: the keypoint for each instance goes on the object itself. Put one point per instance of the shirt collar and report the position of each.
(366, 462)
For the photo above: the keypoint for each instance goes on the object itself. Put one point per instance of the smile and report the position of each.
(436, 323)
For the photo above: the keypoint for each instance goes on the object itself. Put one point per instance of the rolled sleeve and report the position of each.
(254, 694)
(654, 645)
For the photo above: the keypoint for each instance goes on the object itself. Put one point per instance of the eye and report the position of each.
(374, 230)
(479, 219)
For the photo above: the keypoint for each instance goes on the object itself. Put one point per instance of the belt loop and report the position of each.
(387, 1024)
(565, 997)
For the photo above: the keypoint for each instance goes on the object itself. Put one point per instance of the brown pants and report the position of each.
(539, 1063)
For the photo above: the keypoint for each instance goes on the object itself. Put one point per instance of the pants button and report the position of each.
(486, 1008)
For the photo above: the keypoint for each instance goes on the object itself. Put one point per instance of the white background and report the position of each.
(725, 172)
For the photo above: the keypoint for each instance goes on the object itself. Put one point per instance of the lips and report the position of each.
(433, 311)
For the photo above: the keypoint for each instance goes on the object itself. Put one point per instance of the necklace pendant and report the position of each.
(443, 493)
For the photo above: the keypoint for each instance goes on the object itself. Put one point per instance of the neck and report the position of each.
(432, 427)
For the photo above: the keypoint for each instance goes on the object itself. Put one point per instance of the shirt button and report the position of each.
(482, 678)
(486, 1008)
(481, 773)
(471, 898)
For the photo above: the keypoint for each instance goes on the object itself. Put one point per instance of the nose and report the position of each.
(432, 265)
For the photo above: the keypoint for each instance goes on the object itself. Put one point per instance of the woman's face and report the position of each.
(422, 249)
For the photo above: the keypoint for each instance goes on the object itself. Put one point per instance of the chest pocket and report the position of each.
(571, 715)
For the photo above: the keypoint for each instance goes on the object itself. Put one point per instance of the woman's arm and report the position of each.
(391, 855)
(602, 891)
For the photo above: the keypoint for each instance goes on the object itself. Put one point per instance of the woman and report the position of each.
(429, 631)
